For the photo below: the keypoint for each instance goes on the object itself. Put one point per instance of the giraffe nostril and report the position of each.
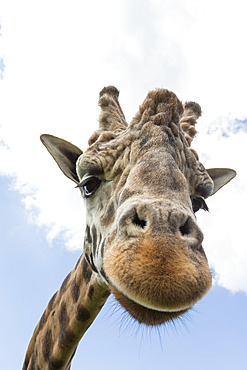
(187, 228)
(133, 222)
(138, 221)
(191, 233)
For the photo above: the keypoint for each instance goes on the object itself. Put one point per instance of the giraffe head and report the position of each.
(142, 184)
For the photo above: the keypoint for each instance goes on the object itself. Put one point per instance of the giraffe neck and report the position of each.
(67, 317)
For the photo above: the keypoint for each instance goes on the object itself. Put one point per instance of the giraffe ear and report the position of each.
(220, 177)
(64, 153)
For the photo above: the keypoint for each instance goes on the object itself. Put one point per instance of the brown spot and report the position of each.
(66, 335)
(46, 347)
(75, 291)
(105, 295)
(86, 271)
(91, 291)
(88, 235)
(63, 316)
(94, 233)
(55, 363)
(82, 313)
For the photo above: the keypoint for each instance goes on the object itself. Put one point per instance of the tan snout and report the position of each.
(156, 260)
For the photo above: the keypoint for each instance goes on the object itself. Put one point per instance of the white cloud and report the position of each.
(224, 228)
(59, 54)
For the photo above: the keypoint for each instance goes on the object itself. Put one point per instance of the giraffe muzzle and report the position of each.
(156, 262)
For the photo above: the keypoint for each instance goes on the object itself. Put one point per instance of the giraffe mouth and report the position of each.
(160, 285)
(145, 315)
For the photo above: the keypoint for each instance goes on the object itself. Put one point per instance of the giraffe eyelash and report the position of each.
(90, 185)
(199, 203)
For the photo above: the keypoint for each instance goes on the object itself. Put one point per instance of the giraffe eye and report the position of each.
(90, 185)
(199, 203)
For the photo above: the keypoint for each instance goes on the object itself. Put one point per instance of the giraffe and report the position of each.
(142, 184)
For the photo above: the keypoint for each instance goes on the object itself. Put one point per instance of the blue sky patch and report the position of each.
(2, 66)
(226, 127)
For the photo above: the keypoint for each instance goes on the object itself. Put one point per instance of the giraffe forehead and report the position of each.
(129, 146)
(161, 151)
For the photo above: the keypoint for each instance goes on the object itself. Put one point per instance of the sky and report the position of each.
(55, 57)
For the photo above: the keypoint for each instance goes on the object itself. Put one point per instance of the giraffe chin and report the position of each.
(144, 315)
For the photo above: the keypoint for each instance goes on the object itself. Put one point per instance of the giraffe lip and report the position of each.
(145, 315)
(171, 311)
(149, 306)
